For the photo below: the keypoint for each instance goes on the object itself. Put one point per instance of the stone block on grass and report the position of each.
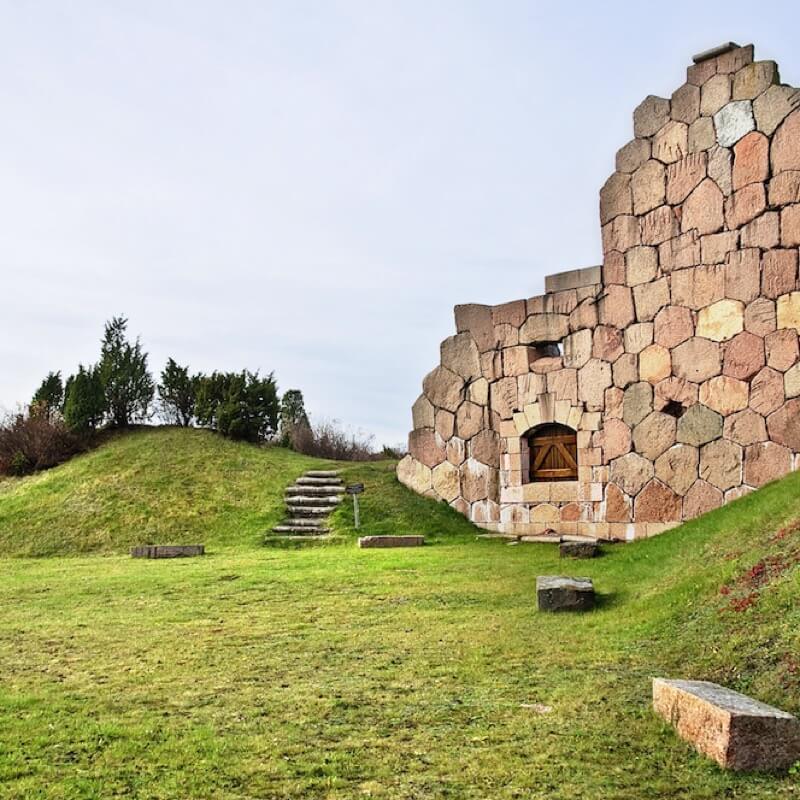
(578, 549)
(391, 541)
(167, 550)
(560, 593)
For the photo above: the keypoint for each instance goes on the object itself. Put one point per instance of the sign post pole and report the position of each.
(356, 490)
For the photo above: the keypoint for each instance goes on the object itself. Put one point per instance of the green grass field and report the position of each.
(330, 672)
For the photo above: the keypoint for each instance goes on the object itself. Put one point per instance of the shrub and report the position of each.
(85, 401)
(240, 405)
(329, 440)
(176, 393)
(34, 440)
(50, 394)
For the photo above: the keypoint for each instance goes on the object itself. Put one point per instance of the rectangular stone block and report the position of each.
(736, 731)
(578, 549)
(559, 593)
(391, 541)
(167, 550)
(573, 279)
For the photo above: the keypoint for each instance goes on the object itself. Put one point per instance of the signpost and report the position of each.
(355, 489)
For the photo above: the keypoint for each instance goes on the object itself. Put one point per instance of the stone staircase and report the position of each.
(309, 502)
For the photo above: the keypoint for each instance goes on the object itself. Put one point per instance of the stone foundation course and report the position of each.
(675, 364)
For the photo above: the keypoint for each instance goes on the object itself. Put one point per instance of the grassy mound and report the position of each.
(339, 673)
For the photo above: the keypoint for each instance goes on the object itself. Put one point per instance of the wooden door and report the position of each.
(554, 454)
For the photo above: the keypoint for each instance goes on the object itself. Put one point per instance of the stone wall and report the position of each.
(676, 362)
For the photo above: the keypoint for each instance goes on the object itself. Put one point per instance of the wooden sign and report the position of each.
(355, 488)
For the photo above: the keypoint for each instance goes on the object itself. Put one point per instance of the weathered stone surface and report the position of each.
(779, 272)
(659, 225)
(788, 311)
(734, 730)
(469, 420)
(460, 355)
(445, 423)
(675, 390)
(744, 356)
(671, 143)
(456, 451)
(516, 360)
(621, 234)
(790, 225)
(557, 593)
(544, 328)
(760, 317)
(733, 121)
(446, 481)
(785, 152)
(703, 209)
(578, 348)
(638, 336)
(444, 388)
(168, 550)
(681, 252)
(414, 475)
(783, 425)
(390, 541)
(720, 168)
(648, 187)
(754, 79)
(478, 392)
(426, 447)
(593, 379)
(721, 321)
(701, 135)
(745, 428)
(721, 464)
(684, 175)
(750, 160)
(633, 155)
(650, 116)
(697, 74)
(655, 363)
(772, 107)
(615, 197)
(615, 306)
(715, 247)
(478, 481)
(563, 384)
(422, 413)
(673, 325)
(762, 232)
(618, 504)
(766, 391)
(677, 467)
(613, 400)
(791, 381)
(654, 434)
(637, 403)
(699, 425)
(613, 268)
(513, 313)
(631, 472)
(685, 105)
(578, 550)
(503, 397)
(625, 370)
(477, 320)
(765, 462)
(607, 343)
(697, 360)
(641, 265)
(782, 349)
(700, 499)
(657, 503)
(742, 275)
(698, 287)
(649, 298)
(614, 438)
(715, 94)
(724, 394)
(485, 447)
(745, 204)
(785, 188)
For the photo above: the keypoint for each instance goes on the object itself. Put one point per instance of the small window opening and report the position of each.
(553, 453)
(674, 409)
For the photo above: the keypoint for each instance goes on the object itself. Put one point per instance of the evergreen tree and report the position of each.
(176, 393)
(49, 397)
(293, 415)
(85, 402)
(128, 385)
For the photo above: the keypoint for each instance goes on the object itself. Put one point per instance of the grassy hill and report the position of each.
(339, 673)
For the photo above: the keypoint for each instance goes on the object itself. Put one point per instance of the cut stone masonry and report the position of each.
(676, 363)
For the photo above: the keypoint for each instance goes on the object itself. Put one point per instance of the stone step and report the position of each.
(304, 530)
(305, 481)
(322, 473)
(302, 522)
(289, 539)
(309, 511)
(315, 491)
(328, 503)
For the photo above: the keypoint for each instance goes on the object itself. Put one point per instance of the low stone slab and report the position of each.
(391, 541)
(738, 732)
(578, 549)
(167, 550)
(559, 593)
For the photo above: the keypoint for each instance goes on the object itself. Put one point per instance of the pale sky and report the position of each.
(310, 187)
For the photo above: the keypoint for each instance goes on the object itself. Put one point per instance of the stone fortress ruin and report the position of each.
(632, 396)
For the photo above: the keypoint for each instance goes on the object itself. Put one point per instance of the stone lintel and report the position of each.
(714, 52)
(572, 279)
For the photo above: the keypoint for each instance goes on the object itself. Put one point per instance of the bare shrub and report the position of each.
(34, 439)
(328, 439)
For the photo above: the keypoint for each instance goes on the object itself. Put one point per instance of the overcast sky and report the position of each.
(309, 187)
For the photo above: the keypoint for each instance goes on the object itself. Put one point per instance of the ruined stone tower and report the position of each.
(632, 396)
